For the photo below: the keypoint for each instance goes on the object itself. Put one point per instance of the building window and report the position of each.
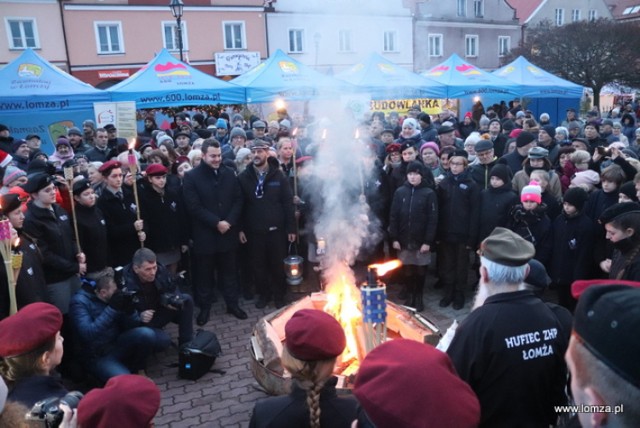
(295, 40)
(390, 41)
(234, 37)
(462, 7)
(471, 46)
(435, 45)
(575, 15)
(559, 17)
(504, 45)
(109, 37)
(22, 33)
(593, 15)
(478, 8)
(170, 36)
(344, 39)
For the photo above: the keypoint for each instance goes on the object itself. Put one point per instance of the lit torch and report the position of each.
(133, 168)
(68, 176)
(374, 304)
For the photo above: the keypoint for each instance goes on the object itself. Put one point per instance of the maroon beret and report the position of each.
(28, 329)
(126, 401)
(156, 170)
(179, 161)
(437, 398)
(105, 168)
(312, 335)
(393, 147)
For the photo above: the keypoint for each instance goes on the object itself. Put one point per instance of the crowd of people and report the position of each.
(107, 233)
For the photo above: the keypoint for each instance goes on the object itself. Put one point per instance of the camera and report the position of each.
(604, 151)
(170, 299)
(48, 410)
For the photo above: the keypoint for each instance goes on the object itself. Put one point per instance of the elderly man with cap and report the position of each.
(480, 171)
(268, 214)
(214, 201)
(510, 348)
(438, 398)
(447, 137)
(603, 353)
(524, 142)
(314, 340)
(74, 135)
(30, 349)
(124, 230)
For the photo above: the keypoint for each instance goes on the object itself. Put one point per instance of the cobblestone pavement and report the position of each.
(226, 399)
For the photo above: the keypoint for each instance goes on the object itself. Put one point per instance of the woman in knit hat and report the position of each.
(13, 176)
(537, 158)
(313, 342)
(430, 156)
(30, 348)
(573, 236)
(529, 219)
(412, 228)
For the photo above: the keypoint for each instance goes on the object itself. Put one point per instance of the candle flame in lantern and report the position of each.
(383, 268)
(343, 300)
(294, 271)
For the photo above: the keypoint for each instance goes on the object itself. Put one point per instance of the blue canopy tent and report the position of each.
(167, 82)
(37, 97)
(385, 80)
(281, 76)
(465, 80)
(546, 92)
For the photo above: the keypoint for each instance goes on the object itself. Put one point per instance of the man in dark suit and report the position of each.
(213, 198)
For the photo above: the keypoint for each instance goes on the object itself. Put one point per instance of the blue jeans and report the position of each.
(127, 355)
(183, 317)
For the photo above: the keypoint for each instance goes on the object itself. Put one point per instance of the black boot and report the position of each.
(418, 288)
(408, 291)
(458, 300)
(447, 299)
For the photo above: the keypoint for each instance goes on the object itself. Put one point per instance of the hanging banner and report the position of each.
(121, 114)
(401, 106)
(235, 63)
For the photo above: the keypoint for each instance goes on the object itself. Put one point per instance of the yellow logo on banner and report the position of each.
(386, 68)
(29, 70)
(507, 70)
(427, 105)
(534, 70)
(288, 67)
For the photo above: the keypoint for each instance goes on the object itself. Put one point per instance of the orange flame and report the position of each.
(343, 300)
(132, 144)
(383, 268)
(16, 243)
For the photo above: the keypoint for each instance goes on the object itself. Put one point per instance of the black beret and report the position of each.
(538, 276)
(607, 320)
(80, 186)
(460, 152)
(616, 210)
(37, 182)
(10, 202)
(406, 145)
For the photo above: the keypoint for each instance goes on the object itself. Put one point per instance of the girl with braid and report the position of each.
(314, 340)
(622, 224)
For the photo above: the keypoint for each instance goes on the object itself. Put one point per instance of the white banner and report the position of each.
(121, 114)
(235, 63)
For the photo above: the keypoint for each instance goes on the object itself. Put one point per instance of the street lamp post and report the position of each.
(177, 7)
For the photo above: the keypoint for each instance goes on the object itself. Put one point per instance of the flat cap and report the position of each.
(507, 248)
(259, 144)
(445, 129)
(28, 329)
(483, 145)
(259, 124)
(312, 335)
(607, 320)
(74, 131)
(538, 152)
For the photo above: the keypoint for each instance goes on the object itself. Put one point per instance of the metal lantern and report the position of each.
(293, 269)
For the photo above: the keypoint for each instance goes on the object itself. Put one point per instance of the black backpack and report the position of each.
(197, 357)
